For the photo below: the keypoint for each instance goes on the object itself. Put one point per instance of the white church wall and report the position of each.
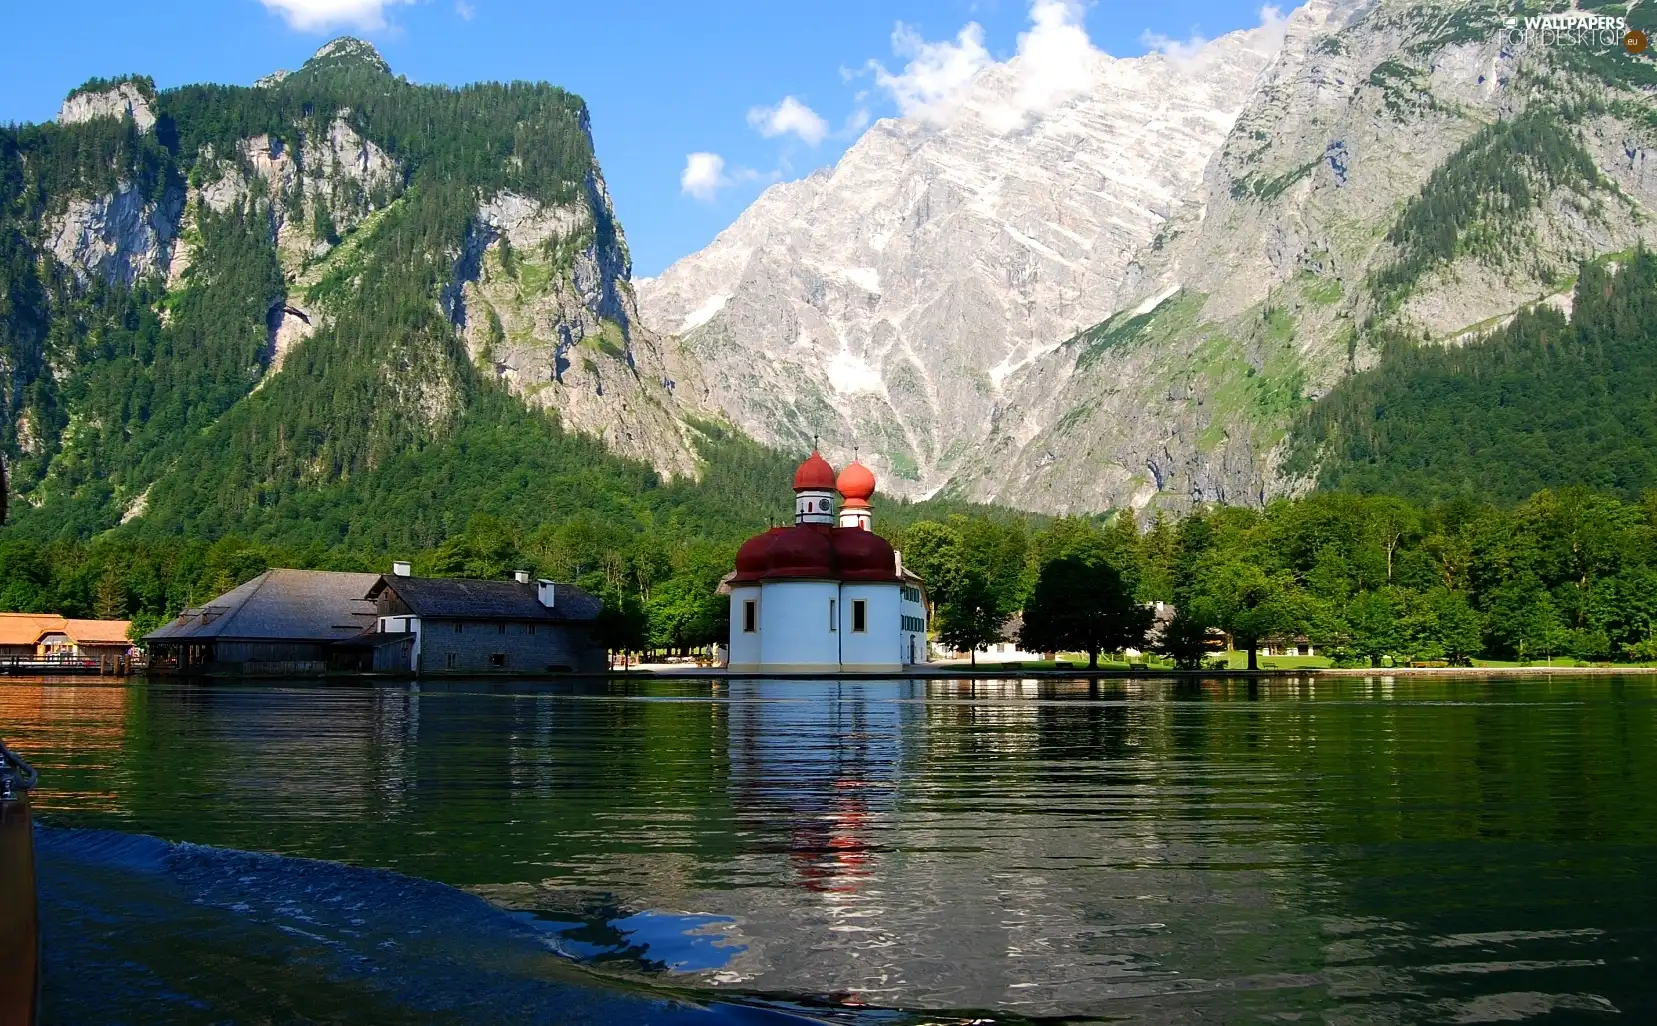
(877, 646)
(912, 643)
(795, 629)
(745, 650)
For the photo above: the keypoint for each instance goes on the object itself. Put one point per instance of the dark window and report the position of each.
(449, 663)
(457, 626)
(497, 659)
(832, 625)
(532, 628)
(748, 617)
(859, 615)
(500, 628)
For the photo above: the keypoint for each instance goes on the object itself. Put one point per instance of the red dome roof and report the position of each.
(814, 475)
(816, 552)
(856, 482)
(754, 558)
(804, 552)
(864, 555)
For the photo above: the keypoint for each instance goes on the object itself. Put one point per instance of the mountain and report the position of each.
(334, 307)
(1152, 338)
(888, 300)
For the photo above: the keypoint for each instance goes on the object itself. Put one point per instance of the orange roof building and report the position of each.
(39, 634)
(19, 632)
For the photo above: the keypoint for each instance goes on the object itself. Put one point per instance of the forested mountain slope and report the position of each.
(334, 305)
(1544, 402)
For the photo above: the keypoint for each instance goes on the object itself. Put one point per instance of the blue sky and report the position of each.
(664, 80)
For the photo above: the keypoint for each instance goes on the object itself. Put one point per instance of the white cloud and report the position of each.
(856, 122)
(1055, 63)
(789, 117)
(1267, 38)
(318, 15)
(705, 174)
(1274, 27)
(933, 85)
(466, 10)
(1180, 51)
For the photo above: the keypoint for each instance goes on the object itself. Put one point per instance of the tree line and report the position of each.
(1366, 578)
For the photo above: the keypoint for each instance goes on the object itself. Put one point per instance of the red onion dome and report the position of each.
(802, 551)
(864, 555)
(856, 482)
(754, 557)
(814, 475)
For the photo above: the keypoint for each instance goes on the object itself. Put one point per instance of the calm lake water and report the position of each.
(1336, 851)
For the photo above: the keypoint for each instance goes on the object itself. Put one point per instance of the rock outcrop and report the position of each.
(124, 99)
(1252, 303)
(886, 302)
(120, 236)
(543, 298)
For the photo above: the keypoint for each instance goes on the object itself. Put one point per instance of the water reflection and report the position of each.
(1389, 849)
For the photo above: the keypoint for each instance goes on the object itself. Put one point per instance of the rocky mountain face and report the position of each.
(1398, 168)
(408, 279)
(132, 98)
(888, 302)
(543, 297)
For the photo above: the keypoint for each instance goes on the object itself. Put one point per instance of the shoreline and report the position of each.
(952, 672)
(926, 672)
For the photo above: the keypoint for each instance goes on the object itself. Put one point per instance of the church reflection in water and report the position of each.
(821, 760)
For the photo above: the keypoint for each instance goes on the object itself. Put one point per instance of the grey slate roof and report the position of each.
(461, 599)
(287, 605)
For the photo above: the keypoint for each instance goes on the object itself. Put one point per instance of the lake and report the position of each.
(1333, 850)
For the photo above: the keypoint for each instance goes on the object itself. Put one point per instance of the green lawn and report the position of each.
(1239, 661)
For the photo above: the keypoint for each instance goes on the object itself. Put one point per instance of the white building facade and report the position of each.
(827, 594)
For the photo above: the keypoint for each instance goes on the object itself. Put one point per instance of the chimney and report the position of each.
(521, 576)
(546, 591)
(400, 568)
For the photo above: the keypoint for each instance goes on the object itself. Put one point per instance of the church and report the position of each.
(827, 594)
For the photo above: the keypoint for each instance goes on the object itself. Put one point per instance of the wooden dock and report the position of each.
(64, 665)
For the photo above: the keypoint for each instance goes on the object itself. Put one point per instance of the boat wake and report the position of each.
(142, 930)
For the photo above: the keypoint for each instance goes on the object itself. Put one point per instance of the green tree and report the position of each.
(1372, 625)
(1459, 629)
(1184, 640)
(1083, 605)
(1250, 603)
(622, 627)
(933, 551)
(111, 602)
(973, 618)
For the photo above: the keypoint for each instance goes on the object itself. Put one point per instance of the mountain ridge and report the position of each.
(1260, 287)
(288, 284)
